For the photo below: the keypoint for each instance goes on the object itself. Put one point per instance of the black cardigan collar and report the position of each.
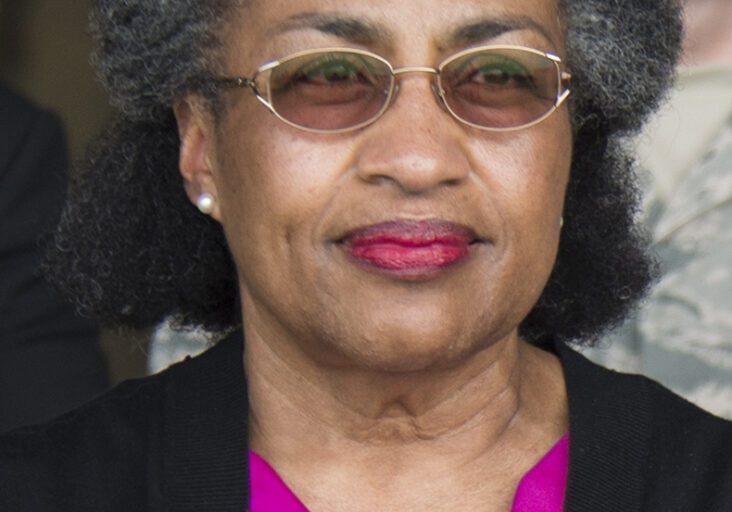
(209, 472)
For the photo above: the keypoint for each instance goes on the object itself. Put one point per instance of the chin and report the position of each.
(404, 351)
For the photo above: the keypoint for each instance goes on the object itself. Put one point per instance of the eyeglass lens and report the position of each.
(336, 90)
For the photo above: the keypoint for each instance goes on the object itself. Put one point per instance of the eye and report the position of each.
(494, 71)
(333, 69)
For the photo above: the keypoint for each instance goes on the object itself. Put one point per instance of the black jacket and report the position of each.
(177, 442)
(50, 360)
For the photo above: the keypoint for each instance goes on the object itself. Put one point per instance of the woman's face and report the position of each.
(411, 243)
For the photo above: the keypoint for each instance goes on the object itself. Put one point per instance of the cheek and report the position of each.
(281, 169)
(274, 190)
(540, 197)
(526, 175)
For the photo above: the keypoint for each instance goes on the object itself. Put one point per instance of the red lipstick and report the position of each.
(411, 248)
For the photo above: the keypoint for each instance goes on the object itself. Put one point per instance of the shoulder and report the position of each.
(143, 444)
(15, 107)
(98, 446)
(689, 449)
(636, 438)
(25, 125)
(595, 387)
(33, 170)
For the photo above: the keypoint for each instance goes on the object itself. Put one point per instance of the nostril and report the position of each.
(377, 179)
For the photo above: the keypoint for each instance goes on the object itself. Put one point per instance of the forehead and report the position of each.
(271, 26)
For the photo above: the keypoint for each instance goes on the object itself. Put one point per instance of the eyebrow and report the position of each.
(482, 30)
(345, 27)
(362, 32)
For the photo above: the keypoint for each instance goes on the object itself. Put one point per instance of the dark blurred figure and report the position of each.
(50, 360)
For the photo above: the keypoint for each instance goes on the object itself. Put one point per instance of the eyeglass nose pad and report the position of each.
(439, 93)
(394, 93)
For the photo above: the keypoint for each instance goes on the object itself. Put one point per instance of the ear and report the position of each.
(195, 129)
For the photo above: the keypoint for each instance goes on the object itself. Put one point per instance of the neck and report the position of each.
(498, 410)
(708, 38)
(381, 408)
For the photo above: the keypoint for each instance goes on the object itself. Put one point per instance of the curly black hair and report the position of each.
(132, 250)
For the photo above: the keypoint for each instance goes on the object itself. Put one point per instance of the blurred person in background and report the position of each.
(683, 335)
(50, 360)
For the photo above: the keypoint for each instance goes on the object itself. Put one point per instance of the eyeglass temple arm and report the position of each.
(236, 82)
(566, 80)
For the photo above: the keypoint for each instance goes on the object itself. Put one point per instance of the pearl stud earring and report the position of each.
(205, 203)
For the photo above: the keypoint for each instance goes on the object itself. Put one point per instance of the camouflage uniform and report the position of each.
(682, 336)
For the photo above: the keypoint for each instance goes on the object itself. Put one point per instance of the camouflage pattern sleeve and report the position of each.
(682, 337)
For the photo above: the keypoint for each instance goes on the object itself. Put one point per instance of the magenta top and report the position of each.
(540, 490)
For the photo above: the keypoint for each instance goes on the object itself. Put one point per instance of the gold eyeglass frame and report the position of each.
(260, 81)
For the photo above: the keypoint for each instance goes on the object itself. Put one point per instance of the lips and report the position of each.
(410, 247)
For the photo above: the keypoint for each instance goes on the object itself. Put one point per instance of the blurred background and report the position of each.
(44, 56)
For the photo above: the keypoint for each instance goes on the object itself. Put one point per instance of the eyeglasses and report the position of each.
(331, 90)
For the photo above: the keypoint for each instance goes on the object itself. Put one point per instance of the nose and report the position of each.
(416, 146)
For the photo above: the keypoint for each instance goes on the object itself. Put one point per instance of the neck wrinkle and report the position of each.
(480, 399)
